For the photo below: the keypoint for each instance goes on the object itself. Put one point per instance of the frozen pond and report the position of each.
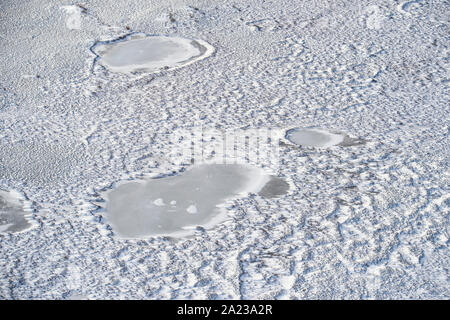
(144, 53)
(314, 137)
(13, 212)
(175, 205)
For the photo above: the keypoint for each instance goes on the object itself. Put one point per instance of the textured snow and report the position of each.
(196, 198)
(143, 53)
(368, 219)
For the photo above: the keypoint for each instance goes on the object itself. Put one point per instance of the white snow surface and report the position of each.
(368, 221)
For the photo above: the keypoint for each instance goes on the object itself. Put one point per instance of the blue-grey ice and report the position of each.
(13, 213)
(274, 188)
(175, 205)
(143, 53)
(314, 137)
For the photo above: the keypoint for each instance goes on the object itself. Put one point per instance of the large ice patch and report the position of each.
(14, 212)
(176, 205)
(138, 53)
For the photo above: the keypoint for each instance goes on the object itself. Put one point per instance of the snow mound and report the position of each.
(141, 53)
(176, 205)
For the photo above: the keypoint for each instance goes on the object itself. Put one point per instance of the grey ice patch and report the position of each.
(14, 213)
(321, 138)
(276, 187)
(194, 198)
(314, 137)
(137, 52)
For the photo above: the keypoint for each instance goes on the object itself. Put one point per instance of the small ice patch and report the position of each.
(314, 137)
(144, 53)
(276, 187)
(199, 194)
(14, 212)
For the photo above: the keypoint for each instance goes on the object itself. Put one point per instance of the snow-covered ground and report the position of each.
(366, 218)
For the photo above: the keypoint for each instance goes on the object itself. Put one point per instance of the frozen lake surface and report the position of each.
(175, 205)
(142, 53)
